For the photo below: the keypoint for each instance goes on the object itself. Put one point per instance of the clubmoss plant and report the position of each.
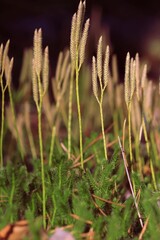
(93, 202)
(101, 71)
(78, 41)
(129, 91)
(40, 71)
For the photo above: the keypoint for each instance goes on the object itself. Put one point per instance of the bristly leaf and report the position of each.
(8, 70)
(5, 54)
(83, 43)
(144, 76)
(45, 70)
(99, 61)
(58, 66)
(94, 78)
(37, 50)
(66, 77)
(34, 83)
(72, 40)
(78, 25)
(126, 80)
(132, 77)
(137, 77)
(78, 37)
(1, 55)
(106, 68)
(64, 67)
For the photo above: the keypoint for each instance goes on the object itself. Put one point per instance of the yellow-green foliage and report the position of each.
(101, 71)
(50, 124)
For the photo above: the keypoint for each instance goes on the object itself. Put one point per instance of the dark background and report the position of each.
(128, 26)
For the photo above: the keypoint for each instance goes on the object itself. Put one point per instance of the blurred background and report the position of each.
(132, 26)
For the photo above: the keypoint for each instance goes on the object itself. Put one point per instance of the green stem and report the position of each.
(70, 114)
(130, 143)
(52, 145)
(39, 109)
(79, 112)
(129, 133)
(154, 149)
(103, 133)
(2, 125)
(42, 164)
(153, 174)
(137, 154)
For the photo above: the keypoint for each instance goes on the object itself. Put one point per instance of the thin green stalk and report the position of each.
(3, 89)
(130, 142)
(153, 174)
(42, 164)
(2, 127)
(39, 89)
(154, 149)
(145, 136)
(15, 125)
(39, 109)
(52, 145)
(70, 114)
(102, 126)
(137, 154)
(129, 132)
(101, 71)
(79, 112)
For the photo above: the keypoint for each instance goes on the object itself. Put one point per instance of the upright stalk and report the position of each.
(129, 84)
(78, 39)
(79, 112)
(138, 157)
(39, 90)
(42, 163)
(129, 133)
(103, 133)
(100, 70)
(70, 114)
(2, 125)
(39, 110)
(52, 145)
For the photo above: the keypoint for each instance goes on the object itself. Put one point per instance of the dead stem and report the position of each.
(108, 201)
(130, 183)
